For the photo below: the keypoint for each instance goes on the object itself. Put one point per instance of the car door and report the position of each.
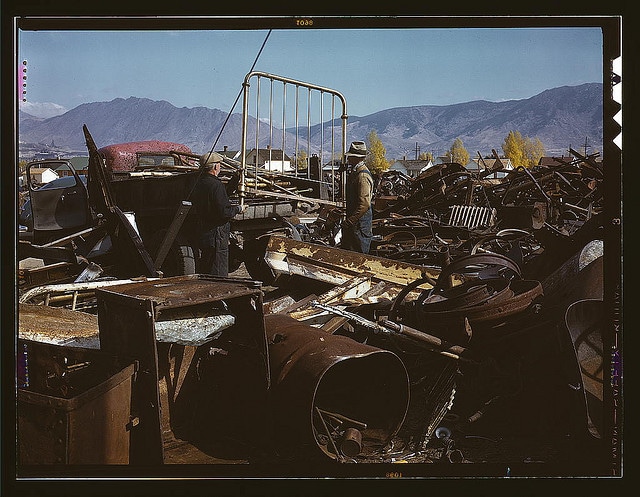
(60, 207)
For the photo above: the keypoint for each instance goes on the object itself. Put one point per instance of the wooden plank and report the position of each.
(172, 232)
(334, 324)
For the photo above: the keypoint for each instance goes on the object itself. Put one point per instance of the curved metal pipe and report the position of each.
(585, 319)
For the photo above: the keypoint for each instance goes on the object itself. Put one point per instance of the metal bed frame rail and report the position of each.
(307, 124)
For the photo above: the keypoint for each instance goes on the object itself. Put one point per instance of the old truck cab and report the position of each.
(146, 182)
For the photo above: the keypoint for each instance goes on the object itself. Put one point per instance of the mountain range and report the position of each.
(562, 117)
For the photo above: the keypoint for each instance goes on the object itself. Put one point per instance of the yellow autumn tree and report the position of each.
(301, 160)
(376, 160)
(533, 151)
(523, 151)
(457, 153)
(428, 156)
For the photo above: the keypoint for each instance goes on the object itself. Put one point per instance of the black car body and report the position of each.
(57, 208)
(25, 216)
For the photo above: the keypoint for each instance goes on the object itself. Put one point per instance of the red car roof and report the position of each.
(122, 156)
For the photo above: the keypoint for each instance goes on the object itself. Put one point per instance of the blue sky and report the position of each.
(374, 69)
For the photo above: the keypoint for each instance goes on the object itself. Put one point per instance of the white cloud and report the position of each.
(43, 110)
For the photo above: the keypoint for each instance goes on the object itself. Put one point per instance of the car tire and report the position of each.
(181, 258)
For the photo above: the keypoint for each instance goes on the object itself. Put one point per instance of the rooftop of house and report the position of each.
(554, 160)
(493, 163)
(414, 164)
(268, 154)
(40, 170)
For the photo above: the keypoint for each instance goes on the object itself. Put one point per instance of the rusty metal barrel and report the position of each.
(324, 386)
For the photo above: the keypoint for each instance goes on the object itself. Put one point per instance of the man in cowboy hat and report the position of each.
(213, 212)
(356, 228)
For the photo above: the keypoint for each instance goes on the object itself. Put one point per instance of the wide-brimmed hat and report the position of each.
(357, 149)
(209, 158)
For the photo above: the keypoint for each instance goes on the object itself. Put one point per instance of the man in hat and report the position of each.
(213, 212)
(356, 228)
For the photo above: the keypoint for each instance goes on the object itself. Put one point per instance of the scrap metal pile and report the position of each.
(448, 212)
(482, 329)
(477, 314)
(545, 213)
(472, 317)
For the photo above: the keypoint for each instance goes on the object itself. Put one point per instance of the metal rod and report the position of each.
(326, 429)
(453, 350)
(333, 147)
(321, 130)
(270, 122)
(64, 240)
(297, 107)
(385, 326)
(284, 120)
(308, 129)
(342, 418)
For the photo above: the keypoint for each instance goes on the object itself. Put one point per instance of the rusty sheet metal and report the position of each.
(188, 290)
(281, 252)
(581, 277)
(230, 363)
(58, 326)
(51, 273)
(312, 370)
(126, 326)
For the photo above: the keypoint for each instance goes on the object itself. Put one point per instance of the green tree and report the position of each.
(457, 153)
(376, 160)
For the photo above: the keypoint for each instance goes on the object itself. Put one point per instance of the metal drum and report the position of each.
(325, 387)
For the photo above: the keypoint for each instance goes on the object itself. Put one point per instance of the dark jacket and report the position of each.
(213, 211)
(211, 203)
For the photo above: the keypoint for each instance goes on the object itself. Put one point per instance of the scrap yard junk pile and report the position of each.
(448, 212)
(489, 291)
(476, 315)
(488, 324)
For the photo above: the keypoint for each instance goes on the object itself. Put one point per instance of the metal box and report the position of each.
(202, 339)
(73, 405)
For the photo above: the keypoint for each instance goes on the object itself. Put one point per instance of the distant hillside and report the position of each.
(132, 119)
(561, 118)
